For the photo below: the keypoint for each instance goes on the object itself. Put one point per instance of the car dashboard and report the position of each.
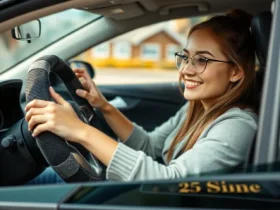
(20, 160)
(10, 109)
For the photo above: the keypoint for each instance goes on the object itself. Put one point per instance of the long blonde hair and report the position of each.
(233, 35)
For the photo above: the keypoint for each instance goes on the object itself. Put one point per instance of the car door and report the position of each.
(148, 105)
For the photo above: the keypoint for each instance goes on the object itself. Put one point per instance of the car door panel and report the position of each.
(148, 105)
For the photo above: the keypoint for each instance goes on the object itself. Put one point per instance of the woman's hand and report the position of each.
(91, 92)
(58, 118)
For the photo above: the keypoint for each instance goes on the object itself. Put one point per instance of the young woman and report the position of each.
(212, 132)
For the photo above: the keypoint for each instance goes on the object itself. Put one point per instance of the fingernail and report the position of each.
(51, 88)
(78, 91)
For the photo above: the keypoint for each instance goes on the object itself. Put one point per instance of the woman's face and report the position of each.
(217, 77)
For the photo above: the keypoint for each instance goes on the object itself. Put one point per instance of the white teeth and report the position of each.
(193, 84)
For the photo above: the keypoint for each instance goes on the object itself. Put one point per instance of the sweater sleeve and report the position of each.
(225, 146)
(152, 143)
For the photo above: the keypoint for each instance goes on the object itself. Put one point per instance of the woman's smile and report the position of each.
(190, 84)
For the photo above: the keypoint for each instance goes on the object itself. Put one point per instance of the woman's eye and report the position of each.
(201, 60)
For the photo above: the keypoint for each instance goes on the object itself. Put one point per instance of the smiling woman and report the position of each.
(13, 52)
(222, 84)
(210, 133)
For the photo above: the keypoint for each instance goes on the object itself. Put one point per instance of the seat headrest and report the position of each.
(260, 27)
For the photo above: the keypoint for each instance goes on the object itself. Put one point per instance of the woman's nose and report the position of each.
(188, 68)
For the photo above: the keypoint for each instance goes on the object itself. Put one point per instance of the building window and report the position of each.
(101, 51)
(171, 49)
(150, 52)
(122, 50)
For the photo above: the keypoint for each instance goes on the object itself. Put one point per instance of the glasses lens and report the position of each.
(179, 60)
(199, 63)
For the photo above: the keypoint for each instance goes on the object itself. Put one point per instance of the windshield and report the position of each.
(54, 27)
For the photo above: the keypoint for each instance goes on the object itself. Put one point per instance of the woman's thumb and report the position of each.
(57, 97)
(81, 93)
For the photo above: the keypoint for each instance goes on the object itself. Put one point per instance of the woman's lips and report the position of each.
(192, 84)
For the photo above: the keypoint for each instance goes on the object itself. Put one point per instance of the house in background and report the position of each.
(151, 47)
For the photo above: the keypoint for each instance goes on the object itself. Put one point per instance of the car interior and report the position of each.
(118, 17)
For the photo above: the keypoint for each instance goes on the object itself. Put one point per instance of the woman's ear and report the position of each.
(236, 74)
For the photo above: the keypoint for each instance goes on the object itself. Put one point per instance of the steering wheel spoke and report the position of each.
(88, 113)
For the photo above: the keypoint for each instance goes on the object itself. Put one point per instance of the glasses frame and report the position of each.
(184, 57)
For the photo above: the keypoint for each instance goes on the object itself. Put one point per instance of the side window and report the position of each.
(144, 55)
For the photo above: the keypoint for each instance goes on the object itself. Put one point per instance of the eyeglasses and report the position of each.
(199, 62)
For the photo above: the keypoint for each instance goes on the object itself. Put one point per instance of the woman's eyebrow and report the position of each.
(199, 52)
(186, 51)
(204, 52)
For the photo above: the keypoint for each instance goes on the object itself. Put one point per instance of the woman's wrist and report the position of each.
(84, 135)
(107, 107)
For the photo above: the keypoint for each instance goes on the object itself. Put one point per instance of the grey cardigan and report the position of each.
(221, 146)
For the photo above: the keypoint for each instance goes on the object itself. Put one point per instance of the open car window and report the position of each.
(54, 27)
(144, 55)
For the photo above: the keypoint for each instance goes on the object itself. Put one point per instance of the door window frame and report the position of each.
(267, 141)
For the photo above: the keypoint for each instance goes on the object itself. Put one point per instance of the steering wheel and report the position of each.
(71, 161)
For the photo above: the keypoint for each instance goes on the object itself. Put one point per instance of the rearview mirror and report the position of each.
(28, 31)
(82, 65)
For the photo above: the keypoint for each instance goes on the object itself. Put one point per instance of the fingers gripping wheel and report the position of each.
(72, 162)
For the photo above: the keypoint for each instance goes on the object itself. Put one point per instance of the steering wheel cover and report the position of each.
(55, 149)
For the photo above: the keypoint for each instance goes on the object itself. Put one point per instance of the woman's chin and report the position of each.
(191, 97)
